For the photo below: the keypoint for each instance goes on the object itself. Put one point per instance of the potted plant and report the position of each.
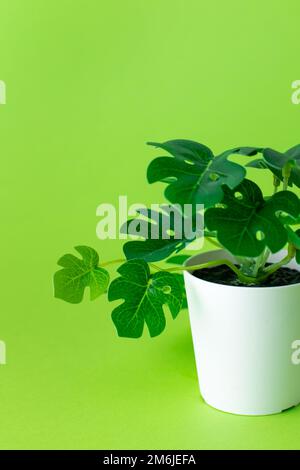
(243, 298)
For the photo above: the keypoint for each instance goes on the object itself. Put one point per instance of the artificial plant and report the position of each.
(237, 217)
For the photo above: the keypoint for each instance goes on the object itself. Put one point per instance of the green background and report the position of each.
(88, 83)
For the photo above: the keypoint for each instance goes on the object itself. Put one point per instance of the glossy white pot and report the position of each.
(243, 341)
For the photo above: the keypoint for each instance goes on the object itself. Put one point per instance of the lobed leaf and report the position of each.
(193, 174)
(247, 223)
(158, 244)
(77, 274)
(144, 295)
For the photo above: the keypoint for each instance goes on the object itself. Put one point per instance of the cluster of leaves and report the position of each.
(236, 213)
(144, 293)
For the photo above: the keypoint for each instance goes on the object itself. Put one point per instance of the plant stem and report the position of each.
(113, 261)
(211, 264)
(274, 267)
(252, 266)
(213, 242)
(286, 173)
(276, 183)
(154, 266)
(242, 277)
(123, 260)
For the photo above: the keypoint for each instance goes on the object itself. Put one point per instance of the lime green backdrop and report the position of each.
(88, 83)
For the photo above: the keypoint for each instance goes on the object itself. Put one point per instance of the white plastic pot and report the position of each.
(243, 342)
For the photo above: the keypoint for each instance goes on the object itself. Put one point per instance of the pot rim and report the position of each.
(230, 256)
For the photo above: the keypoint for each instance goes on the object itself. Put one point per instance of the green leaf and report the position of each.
(144, 296)
(277, 160)
(77, 274)
(246, 151)
(294, 237)
(158, 244)
(247, 223)
(178, 259)
(193, 174)
(288, 220)
(259, 163)
(294, 152)
(297, 250)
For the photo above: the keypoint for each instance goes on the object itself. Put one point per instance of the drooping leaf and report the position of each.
(144, 295)
(294, 152)
(248, 223)
(245, 151)
(277, 160)
(77, 274)
(280, 159)
(193, 174)
(164, 232)
(259, 163)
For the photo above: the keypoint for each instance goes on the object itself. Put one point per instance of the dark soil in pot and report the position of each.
(224, 275)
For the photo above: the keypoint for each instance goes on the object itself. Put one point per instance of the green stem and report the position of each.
(242, 277)
(154, 266)
(286, 173)
(213, 242)
(211, 264)
(276, 183)
(113, 261)
(123, 260)
(272, 269)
